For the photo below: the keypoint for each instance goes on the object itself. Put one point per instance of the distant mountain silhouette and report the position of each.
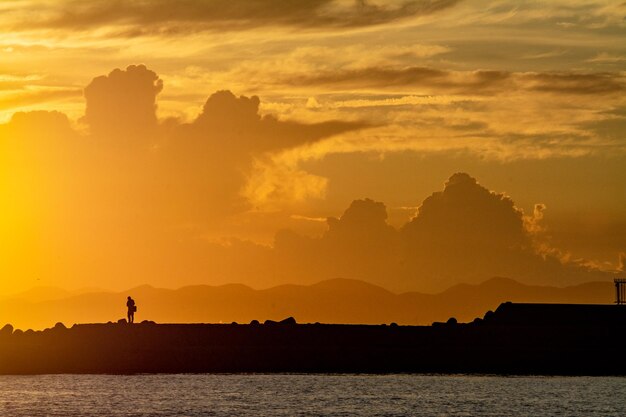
(332, 301)
(47, 293)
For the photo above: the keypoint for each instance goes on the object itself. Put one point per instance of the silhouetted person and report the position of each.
(131, 309)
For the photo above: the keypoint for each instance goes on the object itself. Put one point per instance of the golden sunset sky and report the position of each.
(206, 142)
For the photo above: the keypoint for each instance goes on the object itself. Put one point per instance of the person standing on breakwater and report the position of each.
(131, 309)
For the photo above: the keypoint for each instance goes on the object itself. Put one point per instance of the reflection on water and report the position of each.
(310, 395)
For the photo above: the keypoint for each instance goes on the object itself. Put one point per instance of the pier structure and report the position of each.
(620, 291)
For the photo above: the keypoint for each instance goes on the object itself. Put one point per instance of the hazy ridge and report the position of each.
(331, 301)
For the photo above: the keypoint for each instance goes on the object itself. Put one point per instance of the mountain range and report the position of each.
(331, 301)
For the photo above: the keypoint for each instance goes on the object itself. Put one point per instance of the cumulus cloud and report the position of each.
(42, 121)
(132, 189)
(214, 155)
(464, 208)
(359, 244)
(224, 115)
(464, 233)
(123, 103)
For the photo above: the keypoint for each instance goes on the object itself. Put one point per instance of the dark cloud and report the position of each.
(464, 233)
(464, 208)
(468, 231)
(50, 122)
(469, 82)
(474, 82)
(359, 244)
(465, 230)
(213, 154)
(374, 76)
(166, 17)
(240, 125)
(123, 103)
(571, 83)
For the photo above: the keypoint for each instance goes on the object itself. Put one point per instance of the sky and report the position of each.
(414, 144)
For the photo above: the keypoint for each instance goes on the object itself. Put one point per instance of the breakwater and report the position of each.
(515, 339)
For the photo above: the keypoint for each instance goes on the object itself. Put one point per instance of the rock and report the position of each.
(7, 330)
(254, 323)
(289, 321)
(122, 321)
(148, 322)
(451, 321)
(18, 332)
(59, 326)
(477, 320)
(234, 323)
(394, 324)
(488, 315)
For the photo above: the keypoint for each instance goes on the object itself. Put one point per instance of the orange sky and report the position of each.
(208, 142)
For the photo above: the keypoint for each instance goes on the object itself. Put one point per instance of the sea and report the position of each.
(310, 395)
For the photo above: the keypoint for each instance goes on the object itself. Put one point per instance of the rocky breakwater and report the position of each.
(515, 339)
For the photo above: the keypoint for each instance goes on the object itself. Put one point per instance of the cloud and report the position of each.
(479, 82)
(161, 16)
(42, 121)
(229, 115)
(533, 222)
(464, 233)
(123, 103)
(359, 244)
(465, 208)
(31, 96)
(226, 141)
(133, 196)
(572, 83)
(605, 57)
(21, 92)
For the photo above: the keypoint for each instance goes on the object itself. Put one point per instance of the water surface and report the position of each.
(310, 395)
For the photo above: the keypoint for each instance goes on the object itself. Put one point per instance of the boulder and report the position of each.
(289, 321)
(7, 330)
(451, 321)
